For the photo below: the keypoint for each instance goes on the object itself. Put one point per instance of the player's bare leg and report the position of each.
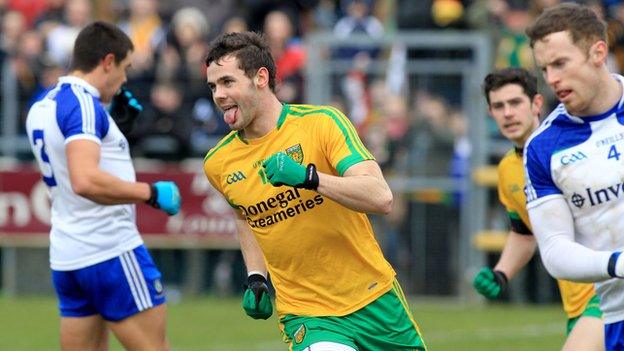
(587, 335)
(84, 333)
(143, 331)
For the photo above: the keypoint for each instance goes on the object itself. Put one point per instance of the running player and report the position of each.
(301, 182)
(515, 105)
(574, 166)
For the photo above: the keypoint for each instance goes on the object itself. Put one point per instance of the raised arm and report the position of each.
(361, 188)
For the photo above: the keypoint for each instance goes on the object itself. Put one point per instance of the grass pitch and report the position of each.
(214, 324)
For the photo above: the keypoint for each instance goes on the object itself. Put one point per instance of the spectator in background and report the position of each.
(28, 65)
(216, 12)
(358, 19)
(60, 40)
(181, 59)
(181, 64)
(433, 142)
(30, 9)
(13, 25)
(299, 10)
(234, 24)
(289, 56)
(165, 128)
(325, 15)
(53, 16)
(513, 48)
(145, 28)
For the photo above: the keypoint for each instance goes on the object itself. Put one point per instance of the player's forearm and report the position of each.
(104, 188)
(252, 253)
(553, 227)
(516, 254)
(363, 193)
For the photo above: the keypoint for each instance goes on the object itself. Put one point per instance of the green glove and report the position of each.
(489, 283)
(256, 301)
(281, 169)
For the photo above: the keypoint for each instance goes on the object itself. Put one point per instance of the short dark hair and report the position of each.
(97, 40)
(512, 75)
(251, 50)
(580, 21)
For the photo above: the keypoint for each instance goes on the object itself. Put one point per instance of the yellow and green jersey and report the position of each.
(574, 296)
(322, 257)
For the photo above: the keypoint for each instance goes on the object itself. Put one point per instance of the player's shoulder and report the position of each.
(558, 132)
(312, 113)
(71, 96)
(510, 164)
(509, 159)
(219, 151)
(549, 131)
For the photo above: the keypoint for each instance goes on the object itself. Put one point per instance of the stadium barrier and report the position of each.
(488, 240)
(206, 221)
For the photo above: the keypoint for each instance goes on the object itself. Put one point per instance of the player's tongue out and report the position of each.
(229, 115)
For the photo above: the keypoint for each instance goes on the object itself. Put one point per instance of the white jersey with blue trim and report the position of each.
(582, 161)
(82, 232)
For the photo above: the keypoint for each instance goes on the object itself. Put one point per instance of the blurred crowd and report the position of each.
(170, 39)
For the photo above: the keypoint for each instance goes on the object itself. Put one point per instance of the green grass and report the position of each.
(212, 324)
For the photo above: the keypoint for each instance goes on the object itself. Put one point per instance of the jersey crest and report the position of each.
(296, 153)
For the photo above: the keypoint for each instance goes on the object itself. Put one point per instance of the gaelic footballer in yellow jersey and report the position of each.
(301, 182)
(574, 296)
(287, 222)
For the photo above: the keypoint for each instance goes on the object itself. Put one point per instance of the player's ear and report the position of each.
(108, 61)
(262, 77)
(537, 103)
(598, 52)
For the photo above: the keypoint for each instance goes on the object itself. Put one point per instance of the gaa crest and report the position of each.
(296, 153)
(300, 334)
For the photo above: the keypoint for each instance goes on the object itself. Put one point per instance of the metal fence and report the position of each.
(466, 58)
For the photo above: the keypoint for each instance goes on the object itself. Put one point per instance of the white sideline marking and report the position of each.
(499, 333)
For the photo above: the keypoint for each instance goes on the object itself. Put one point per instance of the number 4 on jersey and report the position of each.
(613, 153)
(43, 159)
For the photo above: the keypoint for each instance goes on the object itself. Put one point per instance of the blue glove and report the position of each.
(165, 196)
(125, 109)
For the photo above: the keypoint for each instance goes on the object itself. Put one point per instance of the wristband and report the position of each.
(256, 278)
(312, 180)
(501, 278)
(612, 263)
(152, 201)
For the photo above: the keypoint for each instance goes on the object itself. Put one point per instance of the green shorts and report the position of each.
(592, 309)
(384, 324)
